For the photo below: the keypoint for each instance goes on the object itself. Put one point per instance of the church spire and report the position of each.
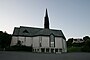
(46, 21)
(46, 13)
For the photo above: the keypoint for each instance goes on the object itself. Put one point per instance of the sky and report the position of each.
(70, 16)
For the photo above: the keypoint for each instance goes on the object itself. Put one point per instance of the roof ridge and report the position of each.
(30, 27)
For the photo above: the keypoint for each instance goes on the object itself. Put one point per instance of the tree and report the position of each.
(86, 38)
(69, 42)
(5, 40)
(86, 41)
(86, 46)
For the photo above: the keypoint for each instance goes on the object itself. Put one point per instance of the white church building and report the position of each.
(41, 39)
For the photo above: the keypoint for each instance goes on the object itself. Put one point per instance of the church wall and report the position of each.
(58, 42)
(36, 42)
(64, 45)
(45, 41)
(28, 41)
(14, 40)
(22, 39)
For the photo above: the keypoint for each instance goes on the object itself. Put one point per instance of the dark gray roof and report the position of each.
(16, 31)
(31, 31)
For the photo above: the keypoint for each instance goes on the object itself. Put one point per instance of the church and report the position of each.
(44, 40)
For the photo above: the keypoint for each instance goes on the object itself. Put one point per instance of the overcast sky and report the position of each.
(70, 16)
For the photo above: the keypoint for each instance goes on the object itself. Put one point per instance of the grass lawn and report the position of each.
(74, 49)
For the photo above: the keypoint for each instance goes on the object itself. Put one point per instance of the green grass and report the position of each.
(74, 49)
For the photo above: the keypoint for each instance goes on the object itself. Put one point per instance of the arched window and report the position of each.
(52, 40)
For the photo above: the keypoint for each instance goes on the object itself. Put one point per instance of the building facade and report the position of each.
(41, 39)
(78, 40)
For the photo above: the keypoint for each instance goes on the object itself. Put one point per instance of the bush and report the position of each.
(85, 49)
(19, 48)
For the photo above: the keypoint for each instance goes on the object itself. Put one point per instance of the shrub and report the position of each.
(74, 49)
(19, 48)
(85, 49)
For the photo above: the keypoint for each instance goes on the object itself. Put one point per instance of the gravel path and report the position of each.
(41, 56)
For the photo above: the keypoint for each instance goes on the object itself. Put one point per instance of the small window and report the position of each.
(47, 50)
(42, 49)
(40, 44)
(52, 50)
(56, 50)
(38, 50)
(60, 50)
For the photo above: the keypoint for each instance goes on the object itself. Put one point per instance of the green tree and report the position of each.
(69, 42)
(5, 40)
(86, 46)
(86, 38)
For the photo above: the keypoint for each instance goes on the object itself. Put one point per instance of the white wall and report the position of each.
(36, 42)
(45, 41)
(58, 42)
(64, 45)
(22, 39)
(14, 40)
(28, 41)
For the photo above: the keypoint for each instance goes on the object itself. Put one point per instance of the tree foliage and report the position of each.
(5, 39)
(84, 46)
(69, 42)
(86, 38)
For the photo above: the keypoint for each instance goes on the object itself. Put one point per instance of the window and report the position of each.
(40, 41)
(56, 50)
(52, 44)
(40, 44)
(52, 40)
(52, 50)
(42, 49)
(37, 50)
(52, 37)
(60, 50)
(47, 50)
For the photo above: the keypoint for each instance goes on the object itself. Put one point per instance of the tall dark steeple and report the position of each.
(46, 21)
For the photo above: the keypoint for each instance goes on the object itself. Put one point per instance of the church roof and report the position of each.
(31, 31)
